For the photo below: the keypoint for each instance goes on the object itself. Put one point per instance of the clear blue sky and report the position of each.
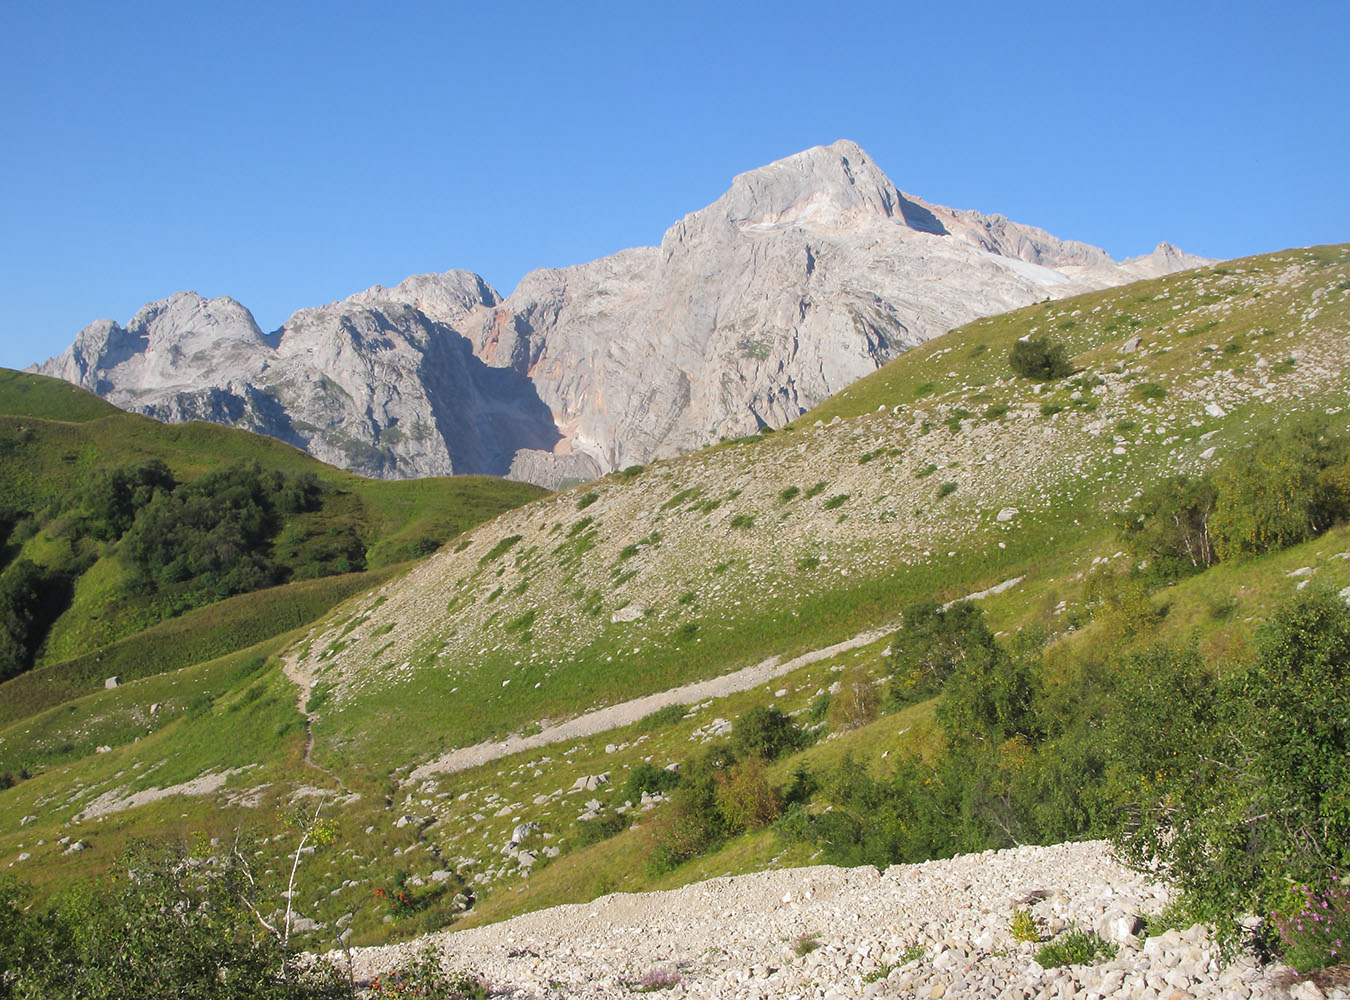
(289, 154)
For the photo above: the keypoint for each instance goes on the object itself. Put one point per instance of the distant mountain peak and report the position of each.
(808, 273)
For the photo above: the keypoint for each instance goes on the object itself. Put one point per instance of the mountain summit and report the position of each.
(807, 274)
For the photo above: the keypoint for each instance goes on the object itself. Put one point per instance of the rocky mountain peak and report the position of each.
(443, 297)
(824, 184)
(807, 274)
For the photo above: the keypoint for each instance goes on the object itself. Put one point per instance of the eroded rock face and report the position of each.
(806, 275)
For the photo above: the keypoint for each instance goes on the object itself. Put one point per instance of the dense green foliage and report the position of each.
(932, 645)
(30, 600)
(1235, 784)
(764, 732)
(1040, 358)
(209, 539)
(1259, 796)
(167, 925)
(1281, 491)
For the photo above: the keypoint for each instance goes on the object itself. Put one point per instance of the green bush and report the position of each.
(422, 978)
(1075, 948)
(764, 732)
(1242, 788)
(169, 924)
(602, 827)
(856, 704)
(930, 645)
(1285, 490)
(649, 778)
(31, 598)
(1040, 358)
(662, 717)
(691, 823)
(744, 796)
(1168, 525)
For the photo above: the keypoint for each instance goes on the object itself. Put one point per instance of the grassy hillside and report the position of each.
(942, 475)
(79, 476)
(799, 538)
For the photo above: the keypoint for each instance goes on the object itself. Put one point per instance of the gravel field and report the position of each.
(934, 930)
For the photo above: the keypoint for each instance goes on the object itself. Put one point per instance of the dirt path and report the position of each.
(303, 678)
(628, 712)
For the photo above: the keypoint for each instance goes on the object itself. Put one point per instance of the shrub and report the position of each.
(856, 703)
(1313, 931)
(1244, 785)
(647, 777)
(930, 645)
(602, 827)
(834, 502)
(946, 490)
(587, 500)
(1282, 491)
(662, 717)
(691, 823)
(743, 521)
(422, 978)
(1075, 948)
(1050, 409)
(1040, 358)
(745, 797)
(788, 493)
(1150, 390)
(1168, 525)
(764, 732)
(169, 925)
(1023, 926)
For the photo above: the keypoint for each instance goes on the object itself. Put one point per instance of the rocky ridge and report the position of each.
(807, 274)
(941, 929)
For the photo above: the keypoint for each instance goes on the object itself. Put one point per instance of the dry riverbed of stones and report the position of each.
(936, 930)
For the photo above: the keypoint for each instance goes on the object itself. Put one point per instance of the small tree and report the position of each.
(1169, 525)
(1241, 788)
(764, 732)
(1040, 358)
(744, 796)
(856, 703)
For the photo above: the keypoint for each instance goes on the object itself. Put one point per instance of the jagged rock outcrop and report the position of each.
(807, 274)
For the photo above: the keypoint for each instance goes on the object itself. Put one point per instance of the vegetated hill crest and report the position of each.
(807, 274)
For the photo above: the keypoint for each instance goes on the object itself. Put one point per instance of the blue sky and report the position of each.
(289, 154)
